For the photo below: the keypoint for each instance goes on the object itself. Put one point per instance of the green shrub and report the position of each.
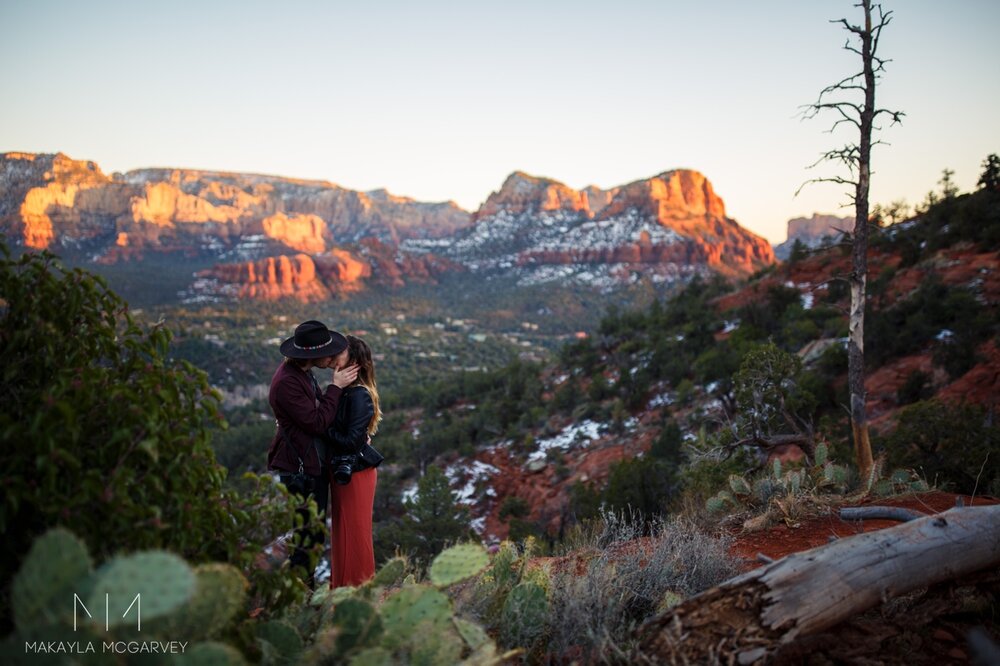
(106, 434)
(950, 445)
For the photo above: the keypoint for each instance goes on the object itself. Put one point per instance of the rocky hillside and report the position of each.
(272, 237)
(53, 201)
(666, 228)
(545, 439)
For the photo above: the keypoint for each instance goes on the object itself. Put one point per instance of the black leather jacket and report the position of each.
(349, 431)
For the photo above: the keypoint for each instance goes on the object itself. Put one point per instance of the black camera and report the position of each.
(299, 484)
(343, 467)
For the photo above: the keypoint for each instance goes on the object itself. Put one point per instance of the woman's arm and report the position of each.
(352, 433)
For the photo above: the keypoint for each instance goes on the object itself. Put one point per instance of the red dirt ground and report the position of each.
(781, 540)
(925, 628)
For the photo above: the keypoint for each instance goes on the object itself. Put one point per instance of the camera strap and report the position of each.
(288, 441)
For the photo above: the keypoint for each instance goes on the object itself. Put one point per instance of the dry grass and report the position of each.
(634, 572)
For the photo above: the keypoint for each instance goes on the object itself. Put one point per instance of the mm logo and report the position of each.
(136, 602)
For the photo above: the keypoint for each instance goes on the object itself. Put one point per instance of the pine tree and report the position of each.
(433, 519)
(990, 178)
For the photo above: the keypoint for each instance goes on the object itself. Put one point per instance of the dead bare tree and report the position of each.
(856, 156)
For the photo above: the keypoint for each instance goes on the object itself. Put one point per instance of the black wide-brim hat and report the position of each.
(313, 339)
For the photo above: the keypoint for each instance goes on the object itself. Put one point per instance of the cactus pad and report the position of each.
(53, 571)
(715, 505)
(210, 654)
(822, 454)
(375, 656)
(739, 485)
(458, 563)
(409, 607)
(220, 593)
(280, 640)
(390, 573)
(359, 624)
(524, 615)
(900, 477)
(433, 645)
(163, 581)
(473, 635)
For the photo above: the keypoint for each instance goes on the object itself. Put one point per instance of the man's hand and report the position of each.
(345, 376)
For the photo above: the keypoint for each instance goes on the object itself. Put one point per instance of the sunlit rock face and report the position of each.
(305, 233)
(665, 228)
(321, 276)
(811, 231)
(53, 200)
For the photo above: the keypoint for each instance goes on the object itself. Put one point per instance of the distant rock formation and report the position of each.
(667, 226)
(271, 237)
(811, 231)
(55, 201)
(320, 276)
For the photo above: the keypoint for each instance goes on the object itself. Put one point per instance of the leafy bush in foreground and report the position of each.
(104, 433)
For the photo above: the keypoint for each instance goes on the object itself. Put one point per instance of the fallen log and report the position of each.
(880, 513)
(747, 619)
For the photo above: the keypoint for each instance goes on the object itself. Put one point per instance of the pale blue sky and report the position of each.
(441, 100)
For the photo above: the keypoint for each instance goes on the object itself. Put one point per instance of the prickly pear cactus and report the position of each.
(473, 635)
(409, 607)
(434, 645)
(53, 570)
(523, 618)
(835, 474)
(795, 482)
(359, 624)
(821, 455)
(279, 642)
(390, 573)
(210, 654)
(739, 485)
(919, 486)
(715, 505)
(156, 582)
(376, 656)
(507, 566)
(776, 468)
(765, 488)
(220, 593)
(884, 488)
(900, 477)
(458, 563)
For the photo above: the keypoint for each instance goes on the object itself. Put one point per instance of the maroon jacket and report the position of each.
(301, 417)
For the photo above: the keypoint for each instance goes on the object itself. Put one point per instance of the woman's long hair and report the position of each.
(359, 352)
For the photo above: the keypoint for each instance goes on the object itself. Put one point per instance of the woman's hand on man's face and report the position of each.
(344, 377)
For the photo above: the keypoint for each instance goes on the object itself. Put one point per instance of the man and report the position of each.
(303, 412)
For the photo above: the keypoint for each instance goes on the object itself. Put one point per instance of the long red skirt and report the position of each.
(352, 556)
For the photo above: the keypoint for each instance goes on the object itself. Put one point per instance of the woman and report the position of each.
(303, 412)
(353, 475)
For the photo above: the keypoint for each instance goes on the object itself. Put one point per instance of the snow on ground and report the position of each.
(475, 476)
(587, 430)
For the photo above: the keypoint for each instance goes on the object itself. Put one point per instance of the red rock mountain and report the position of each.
(322, 276)
(674, 218)
(48, 200)
(280, 237)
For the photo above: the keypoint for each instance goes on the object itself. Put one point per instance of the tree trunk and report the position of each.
(859, 273)
(748, 618)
